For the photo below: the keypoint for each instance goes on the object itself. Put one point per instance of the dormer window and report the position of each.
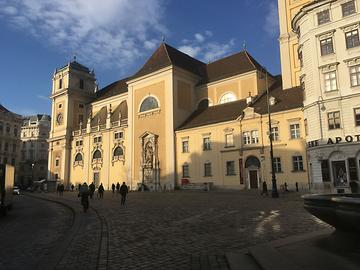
(60, 84)
(228, 97)
(272, 101)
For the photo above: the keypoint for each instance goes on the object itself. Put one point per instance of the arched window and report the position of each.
(228, 97)
(118, 152)
(78, 157)
(97, 155)
(150, 103)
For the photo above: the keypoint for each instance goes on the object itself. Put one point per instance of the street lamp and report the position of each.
(274, 192)
(32, 172)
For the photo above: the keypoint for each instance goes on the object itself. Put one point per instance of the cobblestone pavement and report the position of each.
(30, 231)
(175, 230)
(191, 230)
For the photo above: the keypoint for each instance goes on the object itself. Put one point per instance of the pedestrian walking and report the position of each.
(265, 189)
(62, 188)
(123, 192)
(101, 191)
(297, 187)
(58, 189)
(286, 186)
(113, 188)
(117, 188)
(84, 193)
(92, 190)
(72, 188)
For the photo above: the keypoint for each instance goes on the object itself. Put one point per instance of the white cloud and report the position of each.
(43, 97)
(202, 48)
(199, 37)
(151, 44)
(193, 51)
(107, 32)
(271, 25)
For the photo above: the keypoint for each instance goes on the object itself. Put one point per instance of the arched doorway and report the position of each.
(252, 165)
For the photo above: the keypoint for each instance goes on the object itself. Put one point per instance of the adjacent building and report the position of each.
(329, 57)
(10, 124)
(176, 118)
(34, 149)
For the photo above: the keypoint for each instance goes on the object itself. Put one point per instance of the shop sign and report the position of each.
(336, 140)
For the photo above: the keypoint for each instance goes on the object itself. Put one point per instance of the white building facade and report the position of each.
(329, 54)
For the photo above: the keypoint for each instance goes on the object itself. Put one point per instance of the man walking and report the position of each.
(123, 191)
(117, 188)
(113, 188)
(101, 191)
(92, 190)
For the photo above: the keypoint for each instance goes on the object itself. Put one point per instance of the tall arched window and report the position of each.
(150, 103)
(97, 155)
(78, 157)
(228, 97)
(118, 152)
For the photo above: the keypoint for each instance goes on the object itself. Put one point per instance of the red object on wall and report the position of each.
(185, 181)
(241, 171)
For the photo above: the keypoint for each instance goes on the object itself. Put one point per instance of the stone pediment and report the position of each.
(249, 113)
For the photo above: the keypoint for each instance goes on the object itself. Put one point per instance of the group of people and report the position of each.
(86, 191)
(283, 188)
(60, 189)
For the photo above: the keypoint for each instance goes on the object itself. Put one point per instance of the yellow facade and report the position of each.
(131, 130)
(290, 66)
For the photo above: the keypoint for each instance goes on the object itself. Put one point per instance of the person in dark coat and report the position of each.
(123, 191)
(84, 193)
(92, 190)
(72, 188)
(265, 189)
(113, 188)
(62, 188)
(101, 191)
(117, 188)
(297, 187)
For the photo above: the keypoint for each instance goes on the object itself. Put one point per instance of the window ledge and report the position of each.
(229, 146)
(301, 171)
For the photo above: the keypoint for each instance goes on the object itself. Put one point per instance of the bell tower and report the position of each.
(73, 86)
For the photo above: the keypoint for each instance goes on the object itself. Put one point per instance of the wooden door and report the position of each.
(253, 179)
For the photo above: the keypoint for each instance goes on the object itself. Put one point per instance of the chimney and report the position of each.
(249, 99)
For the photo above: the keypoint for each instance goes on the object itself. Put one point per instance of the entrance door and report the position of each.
(253, 179)
(339, 173)
(96, 179)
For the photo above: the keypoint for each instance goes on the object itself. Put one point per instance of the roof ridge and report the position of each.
(166, 50)
(248, 57)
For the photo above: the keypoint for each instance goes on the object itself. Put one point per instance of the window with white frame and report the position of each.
(295, 131)
(230, 167)
(275, 133)
(254, 136)
(357, 116)
(352, 39)
(323, 17)
(229, 140)
(298, 164)
(326, 46)
(246, 137)
(206, 143)
(334, 120)
(330, 81)
(228, 97)
(185, 146)
(348, 8)
(118, 135)
(97, 139)
(207, 169)
(277, 164)
(185, 170)
(355, 75)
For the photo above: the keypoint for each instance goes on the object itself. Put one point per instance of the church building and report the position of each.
(177, 120)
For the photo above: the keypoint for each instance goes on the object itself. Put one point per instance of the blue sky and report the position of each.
(115, 37)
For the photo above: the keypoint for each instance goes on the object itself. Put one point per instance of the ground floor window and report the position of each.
(298, 164)
(339, 172)
(207, 169)
(230, 167)
(325, 170)
(277, 164)
(185, 170)
(352, 169)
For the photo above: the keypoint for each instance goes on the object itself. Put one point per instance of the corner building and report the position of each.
(133, 130)
(329, 53)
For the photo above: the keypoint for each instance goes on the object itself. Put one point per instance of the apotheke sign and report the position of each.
(336, 140)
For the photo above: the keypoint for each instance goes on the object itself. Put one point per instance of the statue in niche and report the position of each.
(149, 154)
